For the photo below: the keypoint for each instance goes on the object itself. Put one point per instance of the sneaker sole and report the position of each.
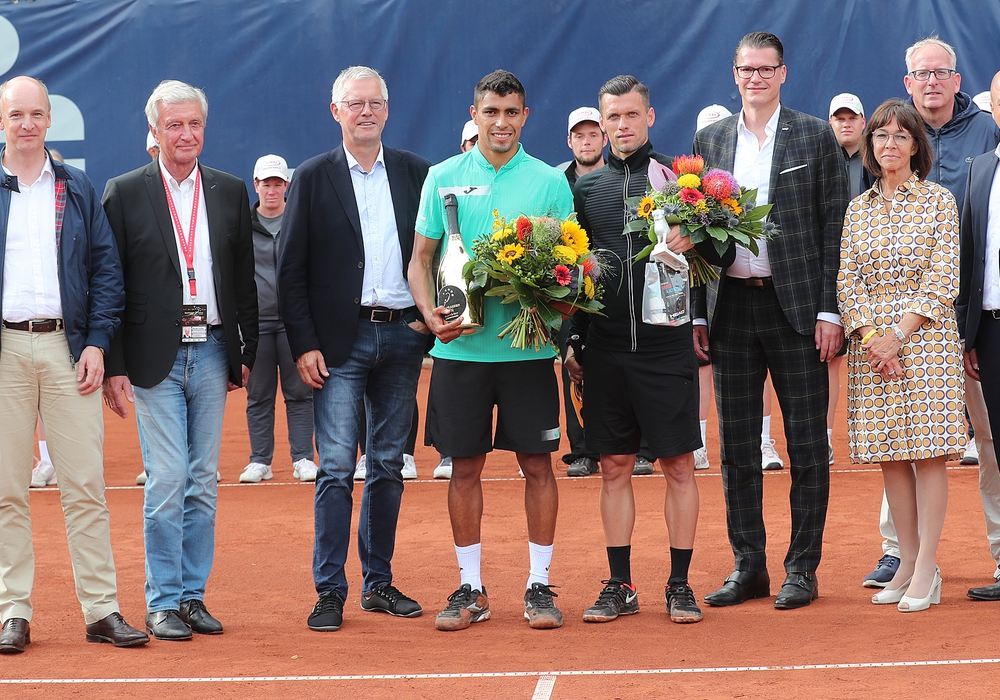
(255, 481)
(329, 628)
(686, 616)
(543, 622)
(416, 613)
(773, 467)
(449, 624)
(872, 583)
(593, 617)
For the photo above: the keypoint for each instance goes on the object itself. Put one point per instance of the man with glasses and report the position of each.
(356, 335)
(958, 131)
(775, 312)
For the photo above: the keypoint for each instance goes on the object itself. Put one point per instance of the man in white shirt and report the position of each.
(61, 296)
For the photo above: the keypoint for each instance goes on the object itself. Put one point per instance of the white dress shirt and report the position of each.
(30, 270)
(183, 194)
(383, 283)
(991, 275)
(752, 169)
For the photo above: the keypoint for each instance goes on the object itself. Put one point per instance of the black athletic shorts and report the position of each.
(630, 396)
(462, 396)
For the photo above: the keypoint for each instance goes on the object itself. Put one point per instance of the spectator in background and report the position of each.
(274, 357)
(470, 136)
(152, 148)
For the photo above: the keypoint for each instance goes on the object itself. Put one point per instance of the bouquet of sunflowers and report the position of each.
(708, 205)
(544, 263)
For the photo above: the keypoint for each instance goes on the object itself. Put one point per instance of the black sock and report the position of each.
(680, 560)
(619, 559)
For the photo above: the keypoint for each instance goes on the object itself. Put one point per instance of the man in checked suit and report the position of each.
(978, 305)
(775, 312)
(188, 335)
(356, 335)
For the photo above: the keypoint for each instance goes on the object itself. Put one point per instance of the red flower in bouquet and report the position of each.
(690, 196)
(684, 165)
(588, 264)
(523, 228)
(718, 184)
(563, 275)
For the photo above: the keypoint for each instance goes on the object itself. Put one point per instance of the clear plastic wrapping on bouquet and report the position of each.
(666, 300)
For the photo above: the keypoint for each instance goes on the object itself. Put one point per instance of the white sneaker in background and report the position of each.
(254, 472)
(769, 458)
(409, 467)
(43, 474)
(304, 470)
(701, 459)
(359, 470)
(443, 469)
(140, 480)
(971, 454)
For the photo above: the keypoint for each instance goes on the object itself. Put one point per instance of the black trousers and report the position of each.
(750, 337)
(988, 355)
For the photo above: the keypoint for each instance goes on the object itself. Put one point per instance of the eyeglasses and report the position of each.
(924, 75)
(765, 72)
(900, 137)
(358, 105)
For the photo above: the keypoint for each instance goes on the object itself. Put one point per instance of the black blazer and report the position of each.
(146, 344)
(808, 188)
(975, 213)
(322, 258)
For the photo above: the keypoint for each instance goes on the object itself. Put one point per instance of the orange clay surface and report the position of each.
(261, 589)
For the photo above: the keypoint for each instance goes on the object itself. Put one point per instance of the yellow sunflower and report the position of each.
(510, 252)
(646, 207)
(564, 254)
(575, 237)
(689, 181)
(588, 287)
(732, 205)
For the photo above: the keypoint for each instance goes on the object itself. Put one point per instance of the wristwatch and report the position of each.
(899, 333)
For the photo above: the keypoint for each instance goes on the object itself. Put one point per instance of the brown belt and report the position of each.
(45, 325)
(379, 314)
(755, 282)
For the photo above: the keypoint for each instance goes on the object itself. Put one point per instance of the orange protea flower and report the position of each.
(574, 237)
(588, 264)
(646, 207)
(719, 184)
(523, 228)
(683, 165)
(732, 205)
(510, 252)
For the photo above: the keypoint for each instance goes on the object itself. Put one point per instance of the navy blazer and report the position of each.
(808, 188)
(322, 257)
(975, 214)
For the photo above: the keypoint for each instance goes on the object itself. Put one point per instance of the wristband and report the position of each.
(868, 336)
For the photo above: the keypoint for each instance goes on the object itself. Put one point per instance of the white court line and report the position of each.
(506, 674)
(543, 689)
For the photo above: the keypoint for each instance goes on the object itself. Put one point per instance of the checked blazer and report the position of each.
(808, 188)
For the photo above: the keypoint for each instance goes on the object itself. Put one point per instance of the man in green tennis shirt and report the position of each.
(474, 373)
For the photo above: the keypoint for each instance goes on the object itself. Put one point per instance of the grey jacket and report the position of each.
(265, 255)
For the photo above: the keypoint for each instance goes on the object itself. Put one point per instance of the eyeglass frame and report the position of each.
(950, 72)
(348, 103)
(757, 70)
(882, 138)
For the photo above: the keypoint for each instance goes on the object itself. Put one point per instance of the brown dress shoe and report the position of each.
(115, 630)
(15, 636)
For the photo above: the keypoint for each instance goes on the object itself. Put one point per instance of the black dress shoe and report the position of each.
(15, 636)
(193, 612)
(741, 586)
(167, 625)
(115, 630)
(797, 591)
(387, 598)
(991, 592)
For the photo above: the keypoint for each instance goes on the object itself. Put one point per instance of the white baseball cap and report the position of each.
(583, 114)
(271, 166)
(469, 131)
(982, 101)
(846, 100)
(710, 115)
(150, 141)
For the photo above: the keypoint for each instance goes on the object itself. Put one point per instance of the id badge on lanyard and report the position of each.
(194, 323)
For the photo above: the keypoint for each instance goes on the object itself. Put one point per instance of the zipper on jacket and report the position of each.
(627, 263)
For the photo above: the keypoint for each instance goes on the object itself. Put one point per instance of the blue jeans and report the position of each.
(380, 375)
(180, 432)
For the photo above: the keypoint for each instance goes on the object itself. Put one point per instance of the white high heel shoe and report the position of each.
(893, 596)
(908, 604)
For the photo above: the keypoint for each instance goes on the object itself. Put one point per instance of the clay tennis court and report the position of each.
(261, 588)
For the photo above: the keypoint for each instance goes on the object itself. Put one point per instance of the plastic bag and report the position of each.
(666, 299)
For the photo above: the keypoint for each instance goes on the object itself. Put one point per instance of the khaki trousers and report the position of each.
(37, 374)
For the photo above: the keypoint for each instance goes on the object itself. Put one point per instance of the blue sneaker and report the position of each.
(883, 573)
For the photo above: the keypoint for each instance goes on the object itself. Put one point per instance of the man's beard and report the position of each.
(589, 160)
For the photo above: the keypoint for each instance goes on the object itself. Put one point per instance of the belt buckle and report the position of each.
(755, 282)
(381, 315)
(995, 313)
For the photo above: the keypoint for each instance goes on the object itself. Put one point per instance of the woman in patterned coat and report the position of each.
(897, 284)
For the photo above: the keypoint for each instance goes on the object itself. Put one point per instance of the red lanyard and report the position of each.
(187, 243)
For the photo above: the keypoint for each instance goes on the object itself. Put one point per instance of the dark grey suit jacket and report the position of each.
(808, 188)
(321, 266)
(146, 344)
(975, 214)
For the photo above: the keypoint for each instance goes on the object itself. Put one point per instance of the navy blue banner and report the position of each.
(267, 65)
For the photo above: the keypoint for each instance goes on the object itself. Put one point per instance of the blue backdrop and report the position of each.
(267, 65)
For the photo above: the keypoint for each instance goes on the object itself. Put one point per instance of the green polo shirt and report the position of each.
(525, 185)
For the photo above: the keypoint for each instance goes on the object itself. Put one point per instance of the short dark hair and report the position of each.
(501, 82)
(760, 40)
(907, 118)
(622, 85)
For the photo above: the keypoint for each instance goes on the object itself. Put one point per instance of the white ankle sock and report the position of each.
(704, 432)
(765, 430)
(43, 451)
(468, 564)
(539, 556)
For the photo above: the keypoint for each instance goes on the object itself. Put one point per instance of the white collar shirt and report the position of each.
(752, 169)
(183, 195)
(991, 275)
(383, 284)
(30, 269)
